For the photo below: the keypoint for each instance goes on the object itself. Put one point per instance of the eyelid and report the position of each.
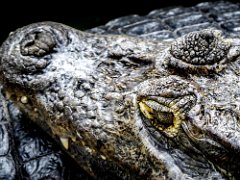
(157, 106)
(161, 100)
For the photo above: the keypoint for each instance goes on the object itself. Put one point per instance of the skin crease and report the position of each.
(107, 94)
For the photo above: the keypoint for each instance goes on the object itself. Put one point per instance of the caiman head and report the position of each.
(130, 108)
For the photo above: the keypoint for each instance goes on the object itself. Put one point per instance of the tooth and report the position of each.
(103, 157)
(24, 99)
(64, 142)
(7, 95)
(73, 139)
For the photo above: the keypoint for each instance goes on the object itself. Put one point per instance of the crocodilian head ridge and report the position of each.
(130, 107)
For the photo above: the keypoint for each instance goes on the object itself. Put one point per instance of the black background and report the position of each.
(81, 14)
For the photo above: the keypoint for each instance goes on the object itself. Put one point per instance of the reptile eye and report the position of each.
(160, 115)
(165, 103)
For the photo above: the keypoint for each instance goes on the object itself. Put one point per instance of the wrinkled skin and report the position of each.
(131, 108)
(29, 153)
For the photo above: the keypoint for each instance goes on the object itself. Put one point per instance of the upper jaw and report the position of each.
(28, 51)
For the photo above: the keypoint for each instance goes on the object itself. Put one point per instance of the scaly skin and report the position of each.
(130, 108)
(28, 153)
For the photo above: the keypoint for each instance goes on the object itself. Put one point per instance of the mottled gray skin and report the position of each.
(93, 90)
(26, 152)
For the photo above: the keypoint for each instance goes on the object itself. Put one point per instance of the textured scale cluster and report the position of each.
(202, 52)
(172, 22)
(200, 48)
(26, 152)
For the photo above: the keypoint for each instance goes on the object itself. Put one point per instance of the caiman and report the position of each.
(143, 97)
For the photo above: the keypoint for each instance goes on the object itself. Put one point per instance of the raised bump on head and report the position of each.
(201, 51)
(29, 51)
(37, 43)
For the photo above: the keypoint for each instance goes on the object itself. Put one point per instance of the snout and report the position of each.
(28, 51)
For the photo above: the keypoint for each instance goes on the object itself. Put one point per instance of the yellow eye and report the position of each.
(164, 103)
(160, 115)
(166, 118)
